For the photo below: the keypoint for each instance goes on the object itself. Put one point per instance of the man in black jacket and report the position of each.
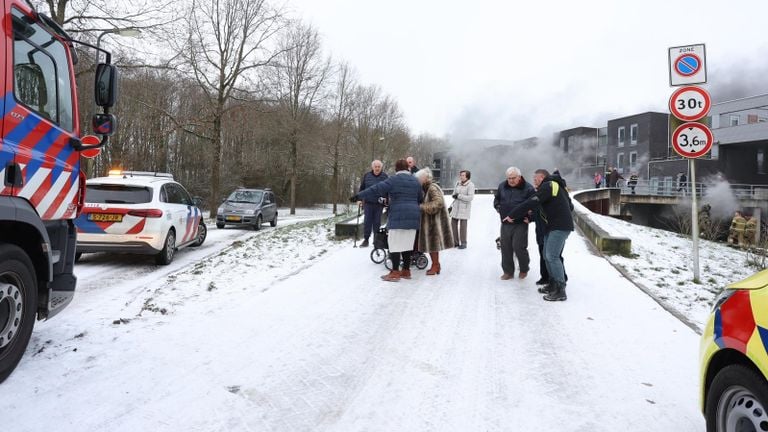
(555, 206)
(371, 206)
(514, 234)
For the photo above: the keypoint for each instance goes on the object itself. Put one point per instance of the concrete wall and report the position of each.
(602, 240)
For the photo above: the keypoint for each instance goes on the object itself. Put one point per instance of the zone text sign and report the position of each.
(692, 140)
(687, 65)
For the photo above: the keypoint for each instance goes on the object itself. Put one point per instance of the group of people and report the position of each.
(417, 215)
(743, 231)
(418, 219)
(546, 203)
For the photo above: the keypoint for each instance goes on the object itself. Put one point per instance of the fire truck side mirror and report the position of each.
(104, 124)
(105, 91)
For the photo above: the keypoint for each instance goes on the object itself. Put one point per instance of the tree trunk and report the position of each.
(294, 168)
(216, 168)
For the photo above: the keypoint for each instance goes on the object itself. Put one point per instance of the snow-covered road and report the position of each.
(333, 348)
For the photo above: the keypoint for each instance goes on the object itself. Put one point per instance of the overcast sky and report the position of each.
(512, 69)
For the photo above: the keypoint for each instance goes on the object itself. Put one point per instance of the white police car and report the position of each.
(141, 213)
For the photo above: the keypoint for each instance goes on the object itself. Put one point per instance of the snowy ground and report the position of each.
(287, 330)
(662, 263)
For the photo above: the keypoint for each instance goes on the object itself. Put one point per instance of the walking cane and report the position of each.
(357, 225)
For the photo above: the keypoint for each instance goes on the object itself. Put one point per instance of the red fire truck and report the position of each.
(43, 187)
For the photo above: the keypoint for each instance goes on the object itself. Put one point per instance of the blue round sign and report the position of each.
(688, 64)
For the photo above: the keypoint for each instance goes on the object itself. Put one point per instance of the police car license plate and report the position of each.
(234, 218)
(105, 217)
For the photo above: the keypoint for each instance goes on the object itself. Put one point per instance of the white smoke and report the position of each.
(720, 196)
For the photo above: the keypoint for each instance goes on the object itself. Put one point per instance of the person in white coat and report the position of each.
(461, 209)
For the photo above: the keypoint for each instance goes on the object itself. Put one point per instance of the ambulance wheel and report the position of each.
(18, 304)
(737, 401)
(165, 256)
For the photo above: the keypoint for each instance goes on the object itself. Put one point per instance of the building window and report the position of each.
(761, 161)
(633, 161)
(620, 162)
(562, 143)
(734, 120)
(633, 134)
(622, 136)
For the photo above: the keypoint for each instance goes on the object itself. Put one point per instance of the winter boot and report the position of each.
(556, 293)
(393, 276)
(542, 281)
(435, 269)
(405, 274)
(364, 243)
(545, 289)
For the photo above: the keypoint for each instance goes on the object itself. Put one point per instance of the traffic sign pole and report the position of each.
(694, 220)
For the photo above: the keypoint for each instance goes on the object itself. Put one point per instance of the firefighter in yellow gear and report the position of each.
(750, 231)
(738, 227)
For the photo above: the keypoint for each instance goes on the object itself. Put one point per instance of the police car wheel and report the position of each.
(737, 400)
(165, 256)
(202, 233)
(259, 221)
(18, 303)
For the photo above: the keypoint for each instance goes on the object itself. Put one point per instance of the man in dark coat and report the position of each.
(541, 231)
(514, 234)
(554, 203)
(371, 206)
(613, 178)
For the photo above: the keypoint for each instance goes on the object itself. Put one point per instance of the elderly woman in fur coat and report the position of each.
(435, 232)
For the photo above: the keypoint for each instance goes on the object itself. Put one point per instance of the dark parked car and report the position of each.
(251, 207)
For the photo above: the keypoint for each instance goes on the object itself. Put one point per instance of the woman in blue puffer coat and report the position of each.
(403, 217)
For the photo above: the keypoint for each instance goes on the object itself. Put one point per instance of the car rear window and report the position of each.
(117, 194)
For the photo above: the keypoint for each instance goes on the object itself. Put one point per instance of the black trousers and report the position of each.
(406, 257)
(514, 242)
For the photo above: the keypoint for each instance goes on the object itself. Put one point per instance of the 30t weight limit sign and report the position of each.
(690, 103)
(692, 140)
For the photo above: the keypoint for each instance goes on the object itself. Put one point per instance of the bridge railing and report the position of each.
(674, 189)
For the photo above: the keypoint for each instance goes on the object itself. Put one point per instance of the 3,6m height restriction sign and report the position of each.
(692, 140)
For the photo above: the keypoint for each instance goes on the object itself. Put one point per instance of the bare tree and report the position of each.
(342, 111)
(228, 42)
(300, 74)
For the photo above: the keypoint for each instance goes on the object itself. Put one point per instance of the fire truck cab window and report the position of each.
(41, 72)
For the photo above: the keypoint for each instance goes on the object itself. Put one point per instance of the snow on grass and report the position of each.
(265, 258)
(662, 262)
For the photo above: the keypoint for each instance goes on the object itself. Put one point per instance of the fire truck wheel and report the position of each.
(18, 303)
(165, 256)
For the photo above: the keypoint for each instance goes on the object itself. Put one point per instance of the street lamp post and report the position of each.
(373, 147)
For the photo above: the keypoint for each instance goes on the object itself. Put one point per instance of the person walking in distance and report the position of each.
(435, 231)
(460, 210)
(372, 207)
(632, 183)
(514, 234)
(405, 195)
(554, 203)
(613, 178)
(598, 180)
(412, 165)
(682, 183)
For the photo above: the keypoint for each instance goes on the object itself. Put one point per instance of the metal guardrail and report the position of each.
(674, 189)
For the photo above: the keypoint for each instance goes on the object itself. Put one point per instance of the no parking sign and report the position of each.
(687, 65)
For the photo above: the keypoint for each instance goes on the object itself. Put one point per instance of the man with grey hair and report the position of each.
(412, 165)
(372, 206)
(514, 233)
